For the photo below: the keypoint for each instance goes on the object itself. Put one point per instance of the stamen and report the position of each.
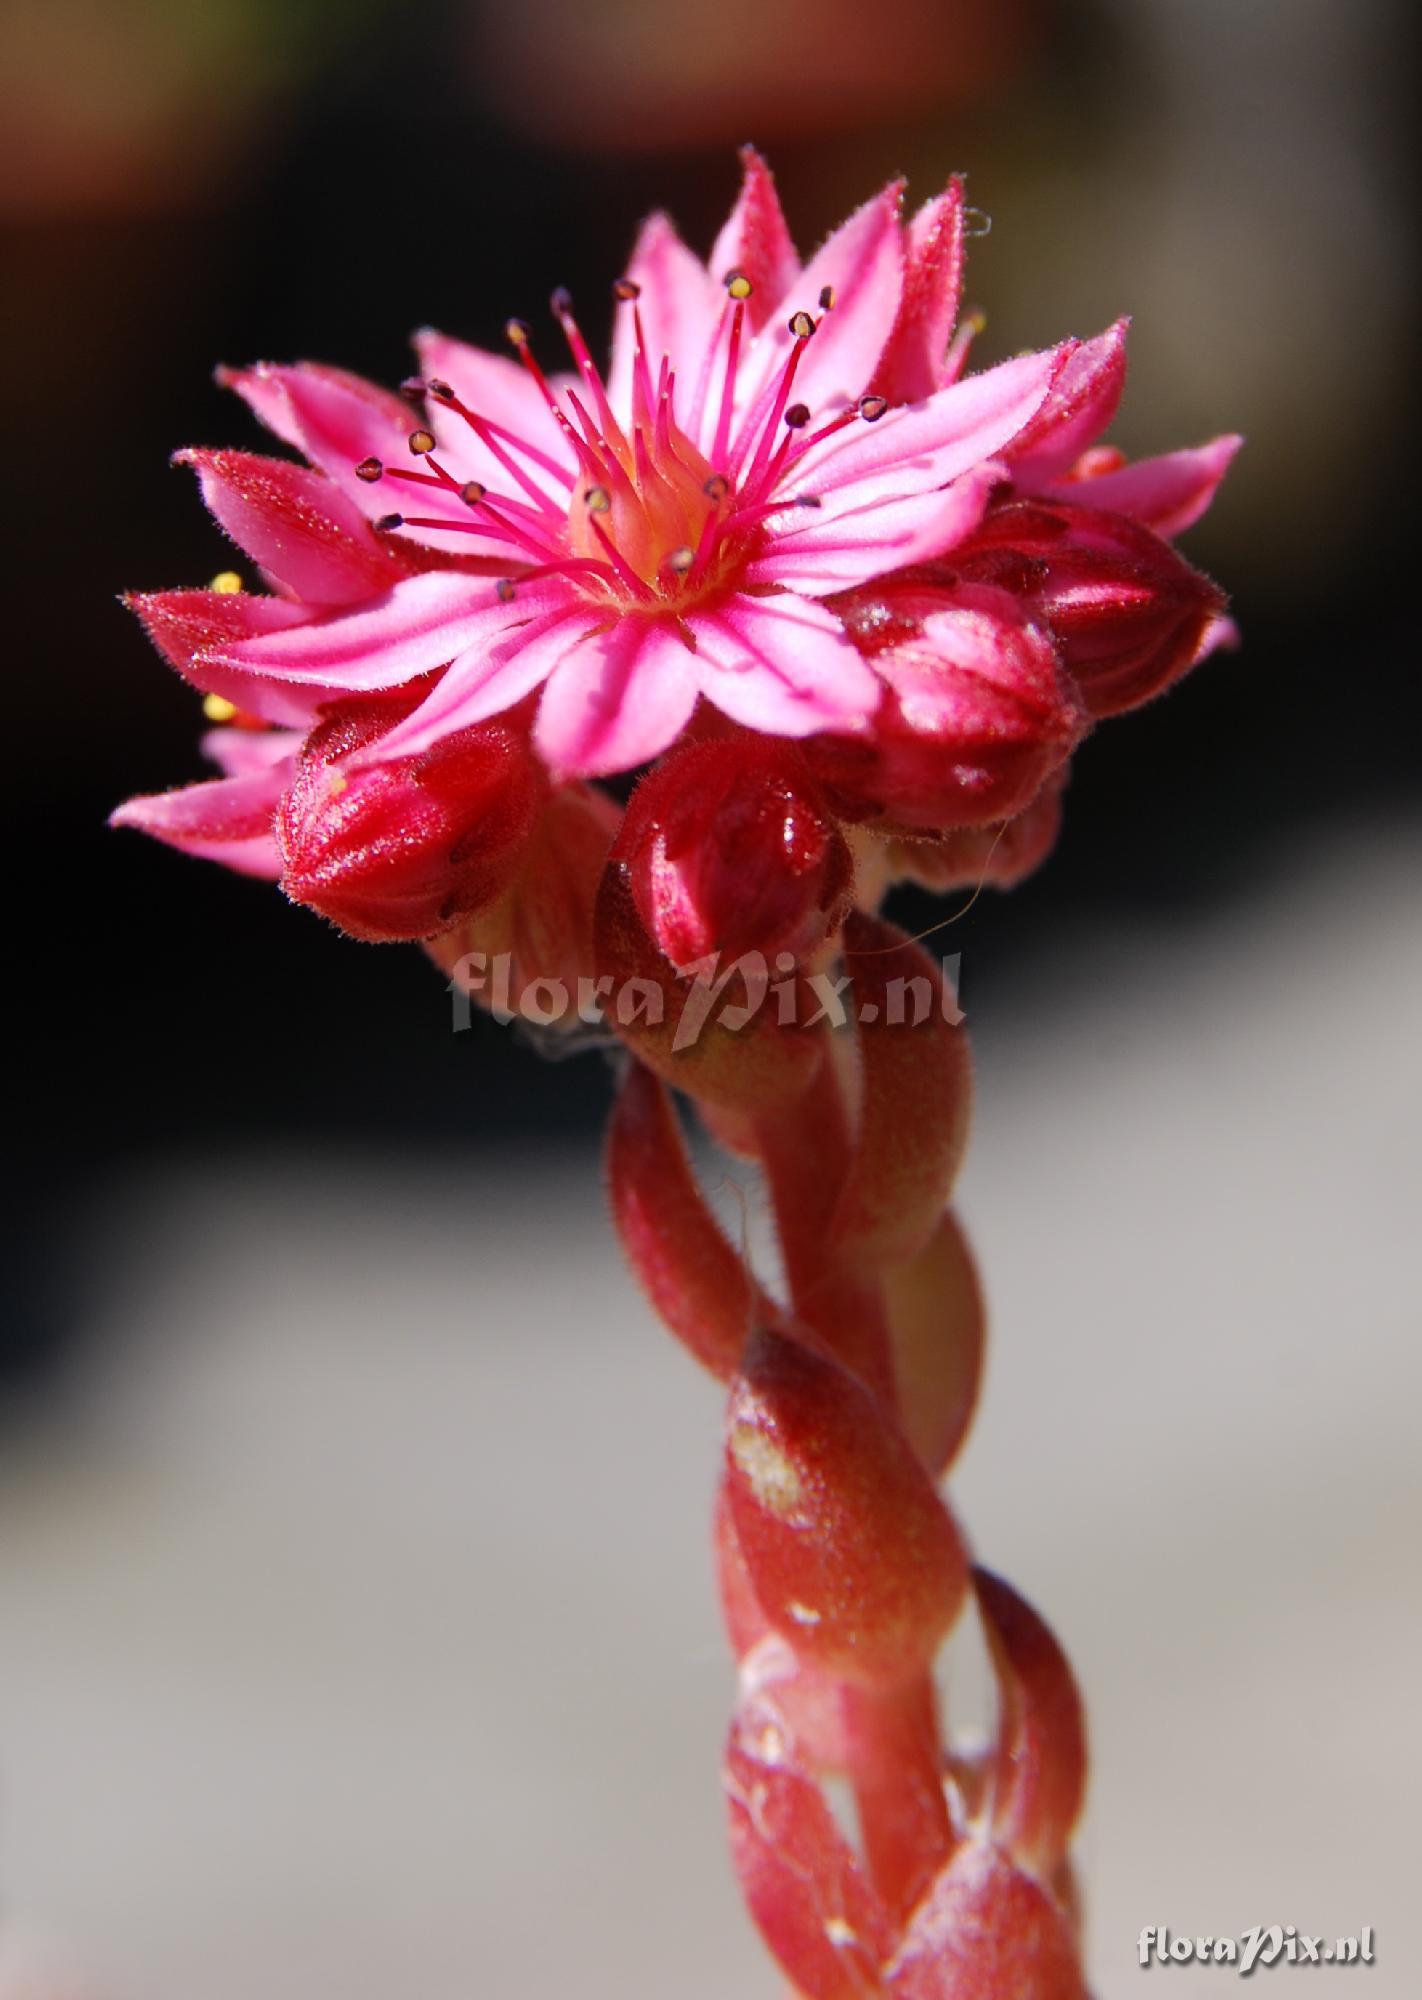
(797, 416)
(422, 442)
(871, 408)
(227, 583)
(562, 304)
(826, 298)
(717, 487)
(472, 492)
(439, 389)
(369, 470)
(680, 561)
(504, 590)
(625, 289)
(738, 284)
(626, 574)
(388, 523)
(801, 325)
(728, 382)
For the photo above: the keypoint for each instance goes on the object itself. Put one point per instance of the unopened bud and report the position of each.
(1129, 615)
(731, 849)
(405, 848)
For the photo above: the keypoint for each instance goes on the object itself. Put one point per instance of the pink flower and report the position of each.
(737, 519)
(632, 545)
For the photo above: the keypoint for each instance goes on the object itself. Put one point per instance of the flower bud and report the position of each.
(849, 1551)
(404, 849)
(985, 1930)
(1130, 616)
(977, 709)
(731, 849)
(981, 857)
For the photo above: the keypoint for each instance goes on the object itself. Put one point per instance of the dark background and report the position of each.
(186, 186)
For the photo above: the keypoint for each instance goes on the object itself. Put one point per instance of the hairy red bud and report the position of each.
(977, 709)
(404, 849)
(849, 1550)
(730, 849)
(979, 857)
(1129, 614)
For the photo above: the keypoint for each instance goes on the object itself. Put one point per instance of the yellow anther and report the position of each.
(738, 285)
(217, 708)
(226, 583)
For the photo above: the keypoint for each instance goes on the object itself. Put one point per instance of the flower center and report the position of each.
(650, 522)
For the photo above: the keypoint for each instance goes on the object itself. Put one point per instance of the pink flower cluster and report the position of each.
(786, 535)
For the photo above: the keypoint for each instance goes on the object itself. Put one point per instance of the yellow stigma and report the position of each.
(226, 583)
(216, 707)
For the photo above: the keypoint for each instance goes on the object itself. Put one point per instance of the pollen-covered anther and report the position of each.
(597, 499)
(738, 284)
(441, 391)
(871, 408)
(217, 708)
(516, 332)
(227, 583)
(422, 442)
(681, 560)
(369, 469)
(626, 289)
(801, 325)
(472, 492)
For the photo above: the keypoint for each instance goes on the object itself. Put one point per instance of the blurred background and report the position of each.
(356, 1629)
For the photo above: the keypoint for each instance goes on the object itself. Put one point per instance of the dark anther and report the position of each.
(561, 302)
(472, 493)
(808, 500)
(441, 391)
(797, 416)
(826, 298)
(389, 521)
(871, 408)
(369, 470)
(716, 487)
(504, 590)
(801, 325)
(625, 289)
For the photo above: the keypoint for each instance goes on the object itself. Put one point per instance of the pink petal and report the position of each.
(863, 264)
(242, 753)
(412, 628)
(912, 364)
(924, 445)
(187, 625)
(679, 308)
(338, 420)
(297, 524)
(819, 551)
(615, 699)
(756, 240)
(502, 390)
(1168, 493)
(223, 819)
(781, 665)
(1077, 409)
(484, 681)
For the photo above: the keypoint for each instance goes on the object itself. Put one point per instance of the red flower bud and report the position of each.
(849, 1551)
(978, 857)
(731, 849)
(1129, 615)
(404, 849)
(977, 710)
